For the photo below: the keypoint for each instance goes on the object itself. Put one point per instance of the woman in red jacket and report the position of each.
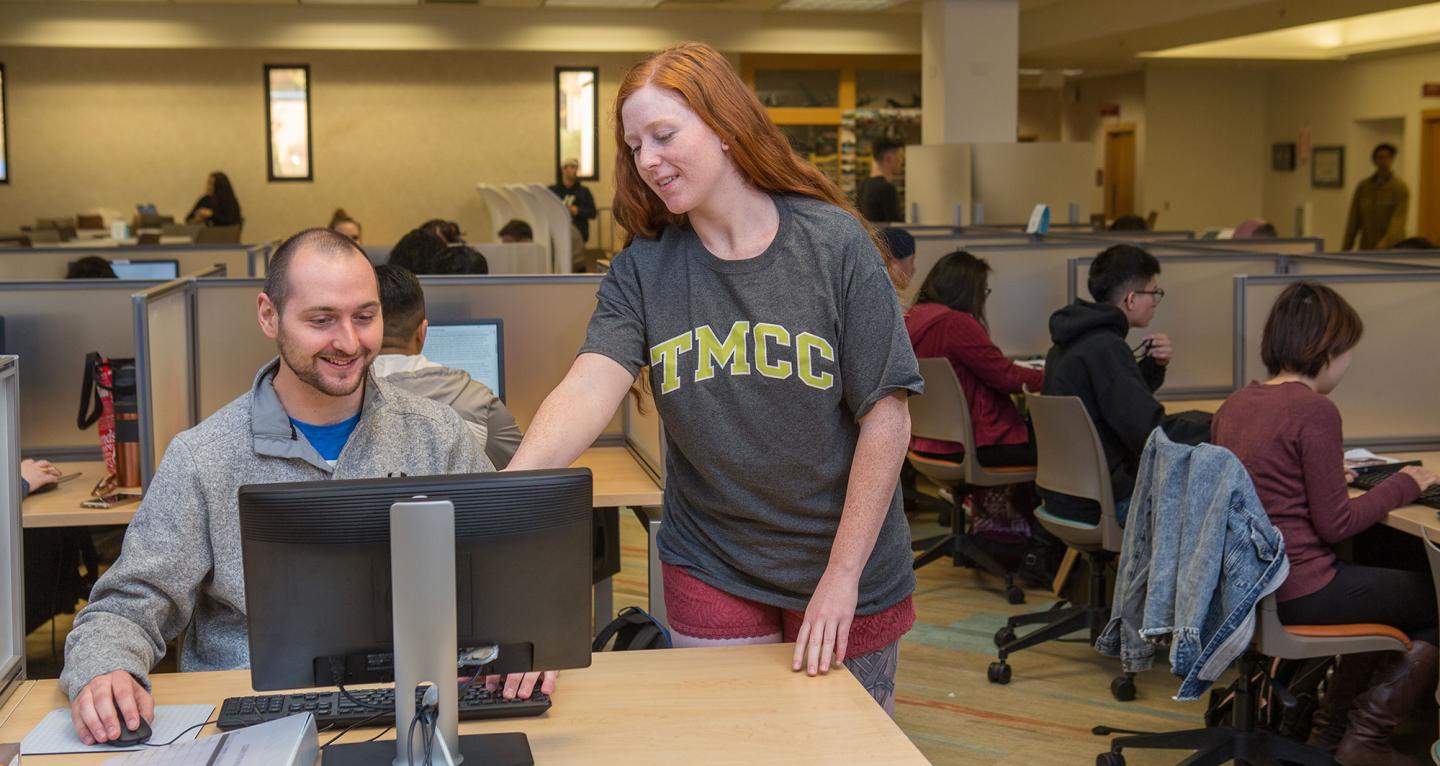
(948, 320)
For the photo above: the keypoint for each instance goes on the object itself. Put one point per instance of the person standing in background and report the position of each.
(578, 200)
(341, 222)
(877, 197)
(218, 207)
(1378, 209)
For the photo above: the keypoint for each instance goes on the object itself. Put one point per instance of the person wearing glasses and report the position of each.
(1093, 360)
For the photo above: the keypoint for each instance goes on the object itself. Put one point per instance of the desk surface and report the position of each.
(1412, 518)
(620, 480)
(60, 507)
(1173, 406)
(732, 704)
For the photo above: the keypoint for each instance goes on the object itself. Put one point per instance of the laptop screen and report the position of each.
(475, 346)
(154, 269)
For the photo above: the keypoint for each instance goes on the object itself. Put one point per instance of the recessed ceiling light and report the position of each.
(846, 6)
(1336, 39)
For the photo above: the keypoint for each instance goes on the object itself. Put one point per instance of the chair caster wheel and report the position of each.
(1122, 688)
(1015, 594)
(998, 673)
(1004, 636)
(1109, 759)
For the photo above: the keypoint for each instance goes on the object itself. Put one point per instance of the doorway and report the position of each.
(1430, 174)
(1119, 170)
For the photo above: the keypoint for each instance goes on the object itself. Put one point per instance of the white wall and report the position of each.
(1011, 179)
(1205, 155)
(1081, 121)
(1354, 104)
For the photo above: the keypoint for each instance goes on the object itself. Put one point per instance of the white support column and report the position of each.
(971, 61)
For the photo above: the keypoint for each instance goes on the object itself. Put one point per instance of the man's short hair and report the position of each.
(884, 146)
(1309, 325)
(402, 303)
(327, 241)
(90, 267)
(1383, 147)
(1129, 223)
(517, 229)
(1413, 243)
(1118, 270)
(569, 162)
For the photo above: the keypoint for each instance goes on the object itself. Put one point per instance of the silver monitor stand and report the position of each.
(422, 583)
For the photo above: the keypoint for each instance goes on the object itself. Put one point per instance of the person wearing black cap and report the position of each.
(902, 248)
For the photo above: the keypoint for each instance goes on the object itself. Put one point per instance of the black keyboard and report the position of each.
(1372, 479)
(334, 710)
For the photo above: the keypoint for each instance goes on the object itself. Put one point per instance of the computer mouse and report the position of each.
(131, 737)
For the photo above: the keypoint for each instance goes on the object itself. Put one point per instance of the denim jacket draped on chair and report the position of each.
(1199, 554)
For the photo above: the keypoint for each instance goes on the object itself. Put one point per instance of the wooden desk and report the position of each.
(620, 480)
(1173, 406)
(724, 705)
(1412, 518)
(60, 507)
(13, 704)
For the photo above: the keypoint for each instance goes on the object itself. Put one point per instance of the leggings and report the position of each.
(1405, 600)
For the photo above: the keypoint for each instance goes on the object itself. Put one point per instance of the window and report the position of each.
(4, 147)
(577, 118)
(287, 121)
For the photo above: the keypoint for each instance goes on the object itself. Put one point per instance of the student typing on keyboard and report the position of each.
(1287, 433)
(314, 413)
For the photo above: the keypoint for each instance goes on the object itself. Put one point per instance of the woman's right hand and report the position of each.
(1425, 477)
(203, 214)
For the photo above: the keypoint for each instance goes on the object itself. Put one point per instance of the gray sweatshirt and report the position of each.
(180, 568)
(479, 407)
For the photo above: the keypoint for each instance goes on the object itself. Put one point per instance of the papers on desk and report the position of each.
(1361, 460)
(289, 741)
(55, 734)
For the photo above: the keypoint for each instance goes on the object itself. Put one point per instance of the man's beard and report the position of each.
(307, 369)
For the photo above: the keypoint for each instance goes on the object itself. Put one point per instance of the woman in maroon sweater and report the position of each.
(948, 320)
(1287, 433)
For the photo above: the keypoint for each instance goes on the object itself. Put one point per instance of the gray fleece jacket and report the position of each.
(180, 568)
(479, 407)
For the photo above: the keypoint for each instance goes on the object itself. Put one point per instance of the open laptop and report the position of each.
(154, 268)
(476, 346)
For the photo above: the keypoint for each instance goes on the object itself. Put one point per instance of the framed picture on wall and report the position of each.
(1282, 157)
(1327, 167)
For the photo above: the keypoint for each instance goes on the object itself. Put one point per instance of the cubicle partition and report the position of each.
(644, 432)
(545, 319)
(12, 592)
(1364, 262)
(35, 263)
(1291, 245)
(1381, 407)
(165, 365)
(1195, 314)
(51, 326)
(501, 257)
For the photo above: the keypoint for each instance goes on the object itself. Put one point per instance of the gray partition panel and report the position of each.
(1291, 245)
(12, 591)
(1372, 262)
(24, 263)
(644, 431)
(1196, 314)
(1380, 407)
(164, 368)
(51, 326)
(544, 318)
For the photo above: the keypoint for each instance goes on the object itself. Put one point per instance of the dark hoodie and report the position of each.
(1092, 360)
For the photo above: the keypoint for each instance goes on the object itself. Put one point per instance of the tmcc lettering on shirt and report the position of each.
(769, 349)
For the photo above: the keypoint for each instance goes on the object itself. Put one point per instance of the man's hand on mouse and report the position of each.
(94, 711)
(39, 473)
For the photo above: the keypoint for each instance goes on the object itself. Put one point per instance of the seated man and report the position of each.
(401, 364)
(314, 413)
(1092, 360)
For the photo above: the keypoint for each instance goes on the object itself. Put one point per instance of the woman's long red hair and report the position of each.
(709, 86)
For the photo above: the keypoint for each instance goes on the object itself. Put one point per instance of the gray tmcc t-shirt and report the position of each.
(762, 369)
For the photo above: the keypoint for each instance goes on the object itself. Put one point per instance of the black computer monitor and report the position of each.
(476, 346)
(317, 572)
(143, 268)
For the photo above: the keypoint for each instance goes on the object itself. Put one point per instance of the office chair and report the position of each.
(1243, 740)
(1071, 462)
(942, 413)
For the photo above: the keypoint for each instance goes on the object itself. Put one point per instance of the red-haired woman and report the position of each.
(763, 308)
